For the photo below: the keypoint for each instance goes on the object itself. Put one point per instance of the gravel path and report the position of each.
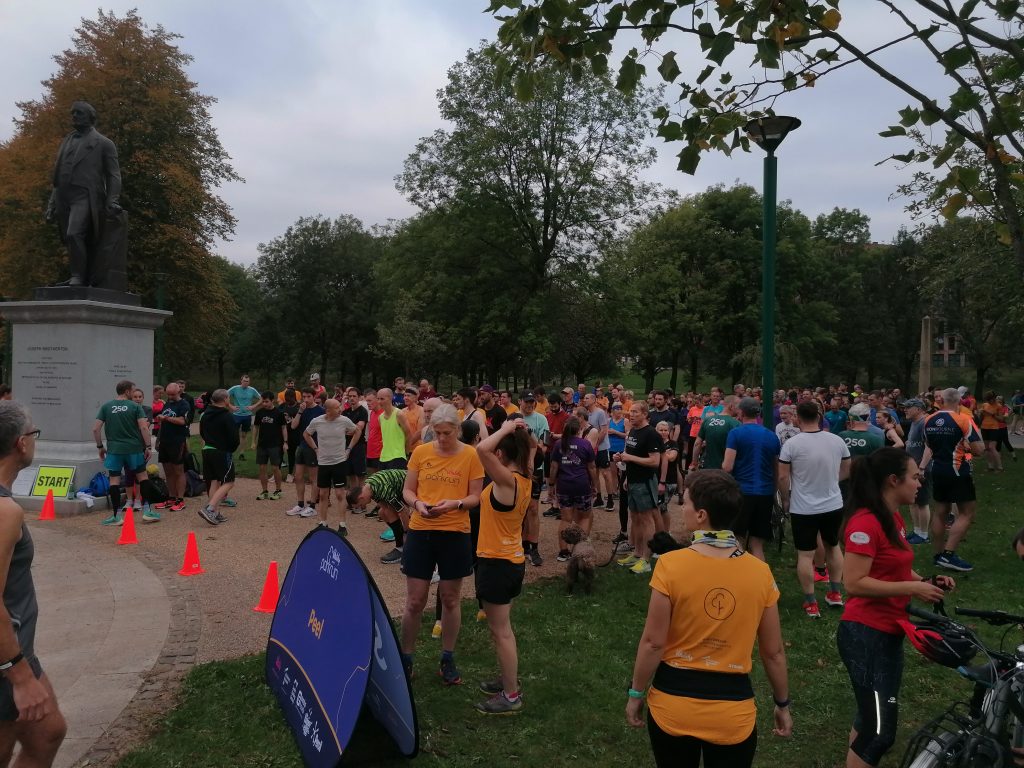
(236, 554)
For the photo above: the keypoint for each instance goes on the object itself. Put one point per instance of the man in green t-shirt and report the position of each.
(709, 447)
(858, 438)
(127, 431)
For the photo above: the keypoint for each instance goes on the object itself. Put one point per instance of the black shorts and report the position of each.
(171, 452)
(270, 454)
(498, 581)
(8, 711)
(305, 455)
(332, 475)
(756, 517)
(451, 552)
(394, 464)
(807, 527)
(244, 423)
(218, 467)
(924, 493)
(603, 460)
(357, 459)
(990, 435)
(373, 464)
(538, 483)
(953, 489)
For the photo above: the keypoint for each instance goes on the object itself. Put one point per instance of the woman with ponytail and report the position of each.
(880, 581)
(574, 477)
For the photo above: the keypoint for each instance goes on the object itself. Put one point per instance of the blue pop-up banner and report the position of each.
(332, 648)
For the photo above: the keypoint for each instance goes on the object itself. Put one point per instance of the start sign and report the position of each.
(56, 479)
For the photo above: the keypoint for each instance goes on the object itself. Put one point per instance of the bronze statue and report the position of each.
(85, 202)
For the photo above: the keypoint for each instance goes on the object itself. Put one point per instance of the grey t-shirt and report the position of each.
(20, 591)
(915, 440)
(599, 419)
(331, 438)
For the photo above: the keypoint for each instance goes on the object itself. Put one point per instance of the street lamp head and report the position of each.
(769, 132)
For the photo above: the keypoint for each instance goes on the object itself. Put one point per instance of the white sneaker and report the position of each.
(296, 510)
(307, 512)
(288, 479)
(138, 505)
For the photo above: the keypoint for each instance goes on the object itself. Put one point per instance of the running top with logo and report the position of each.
(501, 526)
(694, 416)
(757, 449)
(862, 443)
(784, 431)
(386, 486)
(495, 416)
(121, 426)
(573, 475)
(717, 604)
(244, 397)
(598, 419)
(814, 459)
(20, 591)
(444, 477)
(643, 442)
(915, 440)
(946, 433)
(269, 422)
(331, 438)
(714, 431)
(864, 536)
(175, 434)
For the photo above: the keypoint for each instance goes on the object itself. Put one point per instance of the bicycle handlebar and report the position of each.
(921, 613)
(995, 618)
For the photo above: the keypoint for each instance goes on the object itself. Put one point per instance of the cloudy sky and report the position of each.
(320, 101)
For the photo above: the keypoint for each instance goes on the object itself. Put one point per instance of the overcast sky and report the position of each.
(320, 102)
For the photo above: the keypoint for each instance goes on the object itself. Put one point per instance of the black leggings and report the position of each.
(623, 502)
(685, 751)
(1003, 438)
(874, 661)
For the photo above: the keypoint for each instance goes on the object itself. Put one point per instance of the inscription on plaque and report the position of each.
(50, 370)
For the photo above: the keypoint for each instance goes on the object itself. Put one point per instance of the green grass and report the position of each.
(576, 660)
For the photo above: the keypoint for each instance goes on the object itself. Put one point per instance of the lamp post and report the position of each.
(769, 133)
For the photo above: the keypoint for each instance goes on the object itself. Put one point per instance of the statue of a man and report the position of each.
(85, 198)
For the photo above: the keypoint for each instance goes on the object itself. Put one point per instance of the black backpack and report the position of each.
(194, 485)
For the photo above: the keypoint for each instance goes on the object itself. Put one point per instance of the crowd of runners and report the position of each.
(460, 484)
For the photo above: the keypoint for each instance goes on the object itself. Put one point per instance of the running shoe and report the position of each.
(535, 558)
(628, 561)
(372, 514)
(322, 524)
(610, 505)
(492, 687)
(811, 609)
(296, 510)
(394, 556)
(275, 495)
(449, 673)
(137, 505)
(114, 519)
(307, 511)
(481, 615)
(163, 504)
(835, 599)
(208, 514)
(563, 556)
(951, 562)
(599, 500)
(356, 511)
(177, 506)
(229, 503)
(289, 479)
(499, 704)
(820, 576)
(435, 632)
(265, 496)
(150, 516)
(641, 566)
(552, 512)
(387, 535)
(221, 518)
(342, 529)
(916, 538)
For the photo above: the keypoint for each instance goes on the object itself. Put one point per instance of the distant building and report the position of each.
(947, 351)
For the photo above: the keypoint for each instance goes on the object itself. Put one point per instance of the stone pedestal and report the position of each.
(67, 358)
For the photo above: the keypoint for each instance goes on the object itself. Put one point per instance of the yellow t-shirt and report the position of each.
(501, 532)
(443, 477)
(542, 405)
(510, 409)
(989, 411)
(717, 605)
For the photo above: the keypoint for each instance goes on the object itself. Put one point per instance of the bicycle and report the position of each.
(779, 519)
(979, 733)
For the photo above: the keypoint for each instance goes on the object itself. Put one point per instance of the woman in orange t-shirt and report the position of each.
(507, 456)
(708, 604)
(443, 483)
(992, 419)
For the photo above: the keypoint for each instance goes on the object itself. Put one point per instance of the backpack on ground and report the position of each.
(157, 490)
(99, 485)
(194, 485)
(192, 464)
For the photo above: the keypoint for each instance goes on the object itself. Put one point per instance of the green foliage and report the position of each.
(171, 164)
(982, 70)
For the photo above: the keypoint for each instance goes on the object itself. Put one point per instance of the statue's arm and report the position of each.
(112, 171)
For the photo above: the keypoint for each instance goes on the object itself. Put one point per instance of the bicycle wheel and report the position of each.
(940, 751)
(778, 523)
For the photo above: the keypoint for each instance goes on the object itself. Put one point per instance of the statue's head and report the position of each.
(83, 115)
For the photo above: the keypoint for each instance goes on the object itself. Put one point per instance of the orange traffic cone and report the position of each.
(48, 513)
(271, 591)
(128, 529)
(191, 566)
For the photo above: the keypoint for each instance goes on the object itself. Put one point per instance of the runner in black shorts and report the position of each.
(220, 437)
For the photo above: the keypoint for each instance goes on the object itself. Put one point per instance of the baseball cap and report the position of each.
(616, 406)
(487, 388)
(962, 390)
(749, 406)
(860, 411)
(528, 396)
(914, 402)
(314, 377)
(568, 391)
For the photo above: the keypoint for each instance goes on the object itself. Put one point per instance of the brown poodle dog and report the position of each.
(583, 561)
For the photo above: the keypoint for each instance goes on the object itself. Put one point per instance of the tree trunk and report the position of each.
(694, 368)
(220, 370)
(672, 382)
(979, 380)
(650, 371)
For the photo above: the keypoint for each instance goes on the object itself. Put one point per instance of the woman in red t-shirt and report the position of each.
(880, 581)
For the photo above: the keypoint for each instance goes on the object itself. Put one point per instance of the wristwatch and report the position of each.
(460, 503)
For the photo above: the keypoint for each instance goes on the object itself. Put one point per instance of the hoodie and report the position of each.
(218, 429)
